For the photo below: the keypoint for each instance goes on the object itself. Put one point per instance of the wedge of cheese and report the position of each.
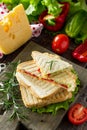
(14, 30)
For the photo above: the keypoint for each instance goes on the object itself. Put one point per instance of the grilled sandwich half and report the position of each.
(32, 101)
(65, 79)
(41, 88)
(49, 64)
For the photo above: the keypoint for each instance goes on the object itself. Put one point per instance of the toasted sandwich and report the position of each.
(41, 88)
(49, 64)
(66, 79)
(32, 101)
(46, 79)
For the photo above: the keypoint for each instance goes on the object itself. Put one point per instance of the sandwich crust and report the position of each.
(31, 101)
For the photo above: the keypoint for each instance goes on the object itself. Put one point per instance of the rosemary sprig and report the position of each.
(9, 92)
(51, 63)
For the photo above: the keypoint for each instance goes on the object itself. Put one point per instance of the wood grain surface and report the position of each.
(41, 121)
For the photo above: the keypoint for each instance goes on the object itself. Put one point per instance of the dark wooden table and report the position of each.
(45, 40)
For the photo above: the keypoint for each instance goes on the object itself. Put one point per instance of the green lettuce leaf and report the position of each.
(53, 6)
(36, 7)
(83, 4)
(53, 108)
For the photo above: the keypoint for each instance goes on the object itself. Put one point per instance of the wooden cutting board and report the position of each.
(44, 121)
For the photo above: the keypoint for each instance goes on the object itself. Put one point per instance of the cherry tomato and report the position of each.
(77, 114)
(60, 43)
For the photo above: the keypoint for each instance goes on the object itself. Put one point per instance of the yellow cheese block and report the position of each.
(14, 30)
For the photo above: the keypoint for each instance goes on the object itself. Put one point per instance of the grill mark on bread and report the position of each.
(50, 80)
(67, 76)
(36, 87)
(32, 101)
